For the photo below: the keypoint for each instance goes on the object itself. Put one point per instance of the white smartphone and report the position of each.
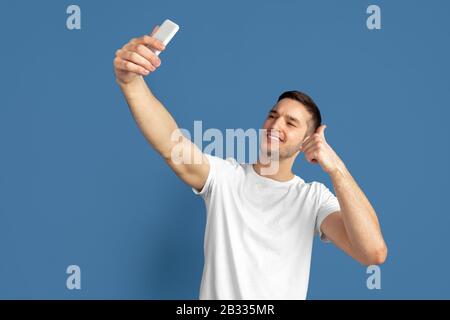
(166, 32)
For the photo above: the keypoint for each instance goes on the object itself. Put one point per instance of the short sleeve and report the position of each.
(219, 169)
(327, 204)
(206, 190)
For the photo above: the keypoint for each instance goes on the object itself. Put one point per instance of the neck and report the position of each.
(284, 172)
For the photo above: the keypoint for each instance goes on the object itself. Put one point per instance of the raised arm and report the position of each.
(355, 228)
(132, 62)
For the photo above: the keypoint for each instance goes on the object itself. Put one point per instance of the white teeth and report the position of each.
(274, 137)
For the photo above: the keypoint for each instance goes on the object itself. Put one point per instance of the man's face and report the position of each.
(287, 126)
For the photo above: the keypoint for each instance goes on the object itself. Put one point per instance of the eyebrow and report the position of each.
(291, 118)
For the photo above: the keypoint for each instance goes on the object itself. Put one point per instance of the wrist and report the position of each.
(130, 84)
(340, 170)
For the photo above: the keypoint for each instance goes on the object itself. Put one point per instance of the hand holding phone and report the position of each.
(165, 33)
(139, 57)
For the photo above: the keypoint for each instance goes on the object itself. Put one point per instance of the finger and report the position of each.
(147, 54)
(126, 65)
(311, 149)
(321, 130)
(305, 150)
(154, 30)
(152, 42)
(148, 41)
(136, 59)
(314, 139)
(307, 144)
(311, 156)
(305, 141)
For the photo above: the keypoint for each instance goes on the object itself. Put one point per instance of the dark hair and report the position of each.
(309, 104)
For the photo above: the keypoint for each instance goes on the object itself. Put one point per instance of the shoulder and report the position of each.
(317, 186)
(313, 189)
(222, 162)
(223, 165)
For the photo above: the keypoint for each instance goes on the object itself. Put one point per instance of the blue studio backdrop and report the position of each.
(79, 184)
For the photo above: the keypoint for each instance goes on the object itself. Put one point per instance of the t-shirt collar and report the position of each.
(271, 181)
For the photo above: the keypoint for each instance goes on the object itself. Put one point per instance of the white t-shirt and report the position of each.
(259, 232)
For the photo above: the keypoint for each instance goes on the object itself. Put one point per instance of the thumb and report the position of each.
(154, 30)
(321, 130)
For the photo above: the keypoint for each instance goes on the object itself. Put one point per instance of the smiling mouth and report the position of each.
(271, 136)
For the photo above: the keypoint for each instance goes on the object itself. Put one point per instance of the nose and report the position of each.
(276, 124)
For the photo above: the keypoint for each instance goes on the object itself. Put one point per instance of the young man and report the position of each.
(260, 226)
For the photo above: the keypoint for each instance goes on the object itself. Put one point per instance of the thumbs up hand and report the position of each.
(317, 150)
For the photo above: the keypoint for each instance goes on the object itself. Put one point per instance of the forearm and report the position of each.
(359, 217)
(152, 118)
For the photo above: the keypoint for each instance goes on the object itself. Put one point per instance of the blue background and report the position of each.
(80, 185)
